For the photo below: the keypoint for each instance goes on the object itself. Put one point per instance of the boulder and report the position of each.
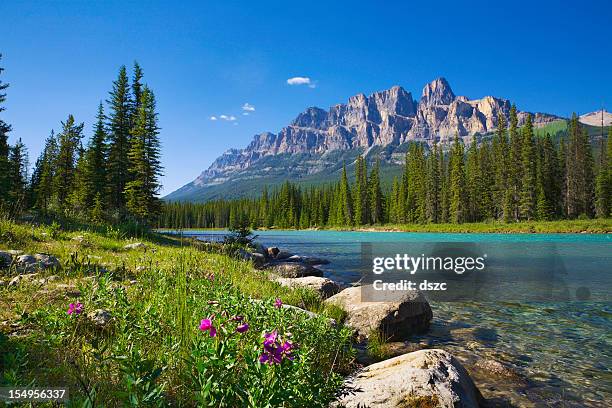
(424, 378)
(284, 255)
(325, 287)
(135, 245)
(311, 260)
(273, 251)
(396, 315)
(258, 259)
(46, 261)
(19, 279)
(15, 252)
(100, 317)
(294, 270)
(31, 263)
(5, 259)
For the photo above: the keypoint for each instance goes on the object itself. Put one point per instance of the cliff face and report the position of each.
(385, 118)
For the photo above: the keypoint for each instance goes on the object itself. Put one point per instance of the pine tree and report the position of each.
(119, 142)
(580, 188)
(144, 165)
(376, 196)
(500, 165)
(345, 202)
(18, 175)
(511, 200)
(360, 195)
(63, 182)
(4, 148)
(603, 182)
(458, 202)
(528, 181)
(45, 169)
(433, 185)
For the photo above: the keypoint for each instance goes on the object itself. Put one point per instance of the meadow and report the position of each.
(185, 324)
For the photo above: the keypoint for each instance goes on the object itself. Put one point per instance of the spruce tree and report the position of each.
(580, 187)
(4, 148)
(603, 182)
(345, 202)
(458, 202)
(511, 200)
(118, 173)
(360, 195)
(18, 175)
(375, 195)
(433, 185)
(69, 141)
(43, 185)
(500, 165)
(528, 165)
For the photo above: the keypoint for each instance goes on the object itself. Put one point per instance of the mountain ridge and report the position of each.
(388, 118)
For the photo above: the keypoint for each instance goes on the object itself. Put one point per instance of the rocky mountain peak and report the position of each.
(437, 92)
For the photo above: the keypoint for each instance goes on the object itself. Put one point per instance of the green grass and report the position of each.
(152, 353)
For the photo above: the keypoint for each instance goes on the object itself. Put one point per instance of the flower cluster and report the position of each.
(278, 303)
(275, 350)
(207, 325)
(75, 308)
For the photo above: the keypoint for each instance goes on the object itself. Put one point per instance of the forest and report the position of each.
(514, 176)
(113, 178)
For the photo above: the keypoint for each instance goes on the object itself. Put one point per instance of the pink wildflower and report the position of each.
(278, 303)
(75, 308)
(206, 325)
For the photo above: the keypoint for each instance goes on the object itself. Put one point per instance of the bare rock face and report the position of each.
(294, 270)
(325, 287)
(399, 315)
(421, 378)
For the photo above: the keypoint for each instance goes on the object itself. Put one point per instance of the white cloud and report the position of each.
(245, 113)
(301, 81)
(229, 118)
(213, 118)
(247, 107)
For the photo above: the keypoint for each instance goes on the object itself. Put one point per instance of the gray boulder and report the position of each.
(25, 278)
(422, 378)
(311, 260)
(325, 287)
(31, 263)
(294, 270)
(5, 259)
(100, 317)
(395, 314)
(273, 251)
(135, 245)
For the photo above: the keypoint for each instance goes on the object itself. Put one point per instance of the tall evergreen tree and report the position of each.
(376, 196)
(69, 141)
(514, 164)
(360, 196)
(603, 182)
(42, 184)
(4, 148)
(18, 174)
(344, 200)
(458, 202)
(119, 125)
(433, 185)
(528, 165)
(579, 188)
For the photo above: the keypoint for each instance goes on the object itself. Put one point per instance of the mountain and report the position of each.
(595, 118)
(316, 139)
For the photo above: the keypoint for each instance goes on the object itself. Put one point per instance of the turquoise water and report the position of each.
(546, 309)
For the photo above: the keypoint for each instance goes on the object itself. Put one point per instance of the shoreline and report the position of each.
(597, 226)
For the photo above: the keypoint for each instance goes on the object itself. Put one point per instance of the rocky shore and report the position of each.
(421, 378)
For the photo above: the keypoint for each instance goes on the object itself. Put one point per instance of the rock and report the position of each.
(259, 248)
(19, 279)
(100, 317)
(292, 258)
(401, 314)
(325, 287)
(26, 259)
(135, 245)
(5, 259)
(46, 261)
(424, 378)
(15, 252)
(273, 251)
(311, 315)
(283, 255)
(310, 260)
(294, 270)
(495, 368)
(258, 259)
(44, 281)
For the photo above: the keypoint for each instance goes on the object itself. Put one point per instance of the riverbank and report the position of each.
(595, 226)
(159, 321)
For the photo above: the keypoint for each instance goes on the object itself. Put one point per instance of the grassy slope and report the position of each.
(157, 297)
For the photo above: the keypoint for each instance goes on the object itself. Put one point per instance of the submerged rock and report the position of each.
(294, 270)
(396, 315)
(325, 287)
(424, 378)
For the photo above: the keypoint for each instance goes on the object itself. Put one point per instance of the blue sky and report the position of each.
(206, 59)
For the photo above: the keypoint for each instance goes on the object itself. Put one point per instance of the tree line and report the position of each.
(513, 176)
(114, 178)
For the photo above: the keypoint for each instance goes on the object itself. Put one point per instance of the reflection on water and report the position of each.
(554, 353)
